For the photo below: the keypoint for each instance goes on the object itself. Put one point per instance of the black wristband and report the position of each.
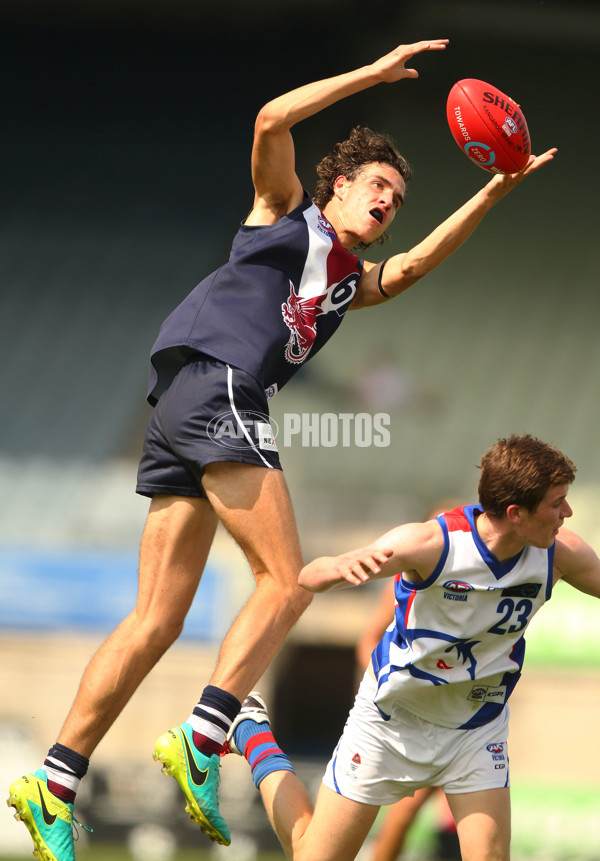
(381, 290)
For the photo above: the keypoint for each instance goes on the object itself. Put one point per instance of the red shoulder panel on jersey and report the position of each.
(456, 520)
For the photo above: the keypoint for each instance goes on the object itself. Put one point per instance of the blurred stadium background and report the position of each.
(125, 172)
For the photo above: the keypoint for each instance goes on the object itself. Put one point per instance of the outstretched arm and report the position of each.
(403, 270)
(577, 563)
(414, 549)
(277, 188)
(354, 568)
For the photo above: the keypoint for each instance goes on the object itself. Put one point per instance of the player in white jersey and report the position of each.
(432, 707)
(392, 832)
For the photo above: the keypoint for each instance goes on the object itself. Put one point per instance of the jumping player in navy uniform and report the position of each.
(432, 708)
(237, 338)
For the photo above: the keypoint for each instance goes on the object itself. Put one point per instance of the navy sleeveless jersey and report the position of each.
(272, 306)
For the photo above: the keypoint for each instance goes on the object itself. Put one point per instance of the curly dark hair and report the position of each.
(362, 146)
(519, 470)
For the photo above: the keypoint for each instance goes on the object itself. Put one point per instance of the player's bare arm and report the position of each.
(354, 569)
(576, 563)
(403, 270)
(413, 549)
(277, 187)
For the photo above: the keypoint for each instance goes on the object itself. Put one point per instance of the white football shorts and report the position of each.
(379, 761)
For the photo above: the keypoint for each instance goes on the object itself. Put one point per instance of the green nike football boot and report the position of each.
(49, 820)
(198, 777)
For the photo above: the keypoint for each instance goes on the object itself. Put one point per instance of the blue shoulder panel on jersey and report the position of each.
(498, 569)
(549, 582)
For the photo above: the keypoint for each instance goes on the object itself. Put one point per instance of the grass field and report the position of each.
(550, 823)
(106, 852)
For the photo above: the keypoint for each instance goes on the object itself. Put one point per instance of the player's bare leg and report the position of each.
(483, 824)
(175, 545)
(174, 548)
(397, 822)
(335, 831)
(253, 503)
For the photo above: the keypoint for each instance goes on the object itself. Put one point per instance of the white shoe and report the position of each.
(253, 708)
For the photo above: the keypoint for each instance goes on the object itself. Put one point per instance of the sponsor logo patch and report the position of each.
(266, 437)
(486, 693)
(522, 590)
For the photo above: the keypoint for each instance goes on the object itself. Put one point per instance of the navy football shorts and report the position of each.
(210, 412)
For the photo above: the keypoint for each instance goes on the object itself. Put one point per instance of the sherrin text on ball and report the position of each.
(488, 126)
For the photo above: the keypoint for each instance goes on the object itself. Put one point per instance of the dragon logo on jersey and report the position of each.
(300, 316)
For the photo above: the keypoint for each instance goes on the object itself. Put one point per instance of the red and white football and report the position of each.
(489, 126)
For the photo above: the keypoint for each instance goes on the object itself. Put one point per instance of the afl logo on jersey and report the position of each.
(498, 747)
(456, 590)
(477, 694)
(458, 586)
(325, 227)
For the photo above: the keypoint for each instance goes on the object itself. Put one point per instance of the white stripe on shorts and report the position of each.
(238, 419)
